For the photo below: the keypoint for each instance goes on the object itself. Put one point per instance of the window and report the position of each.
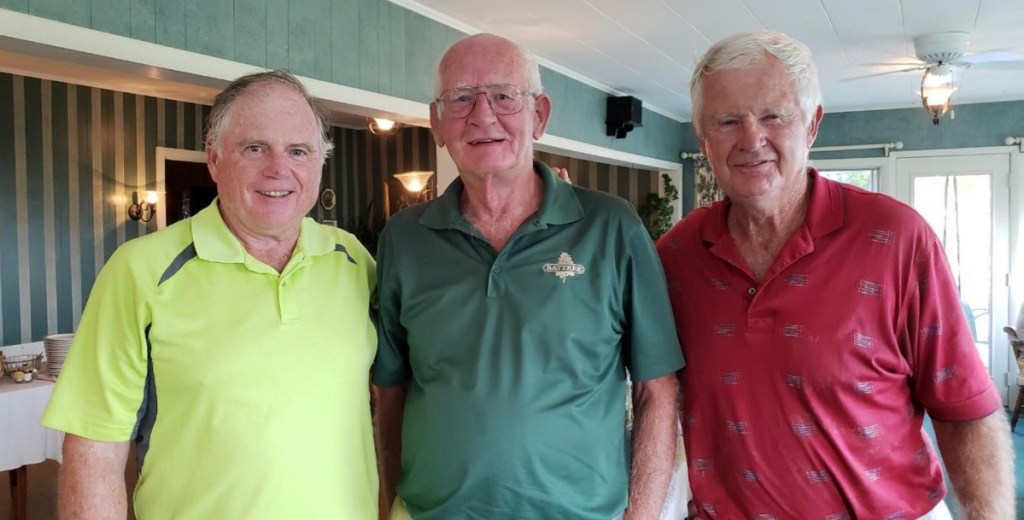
(866, 179)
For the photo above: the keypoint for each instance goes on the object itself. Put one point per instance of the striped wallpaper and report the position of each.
(632, 184)
(70, 156)
(359, 166)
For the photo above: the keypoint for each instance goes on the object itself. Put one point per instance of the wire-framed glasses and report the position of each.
(504, 100)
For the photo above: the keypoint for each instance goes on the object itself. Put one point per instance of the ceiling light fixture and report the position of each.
(937, 87)
(382, 126)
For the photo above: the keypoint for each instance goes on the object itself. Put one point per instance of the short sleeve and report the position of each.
(949, 378)
(100, 390)
(651, 340)
(391, 366)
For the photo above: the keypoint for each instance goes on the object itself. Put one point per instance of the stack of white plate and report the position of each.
(56, 347)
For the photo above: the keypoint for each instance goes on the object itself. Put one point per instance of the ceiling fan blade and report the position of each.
(919, 64)
(993, 56)
(998, 65)
(900, 71)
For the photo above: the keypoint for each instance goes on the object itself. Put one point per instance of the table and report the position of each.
(25, 441)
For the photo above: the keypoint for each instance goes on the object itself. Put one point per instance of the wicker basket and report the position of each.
(13, 364)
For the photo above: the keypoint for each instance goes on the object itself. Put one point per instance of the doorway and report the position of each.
(178, 171)
(965, 199)
(189, 189)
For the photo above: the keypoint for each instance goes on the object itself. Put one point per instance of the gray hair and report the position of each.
(219, 114)
(531, 69)
(745, 49)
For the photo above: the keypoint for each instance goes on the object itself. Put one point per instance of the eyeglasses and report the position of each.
(504, 100)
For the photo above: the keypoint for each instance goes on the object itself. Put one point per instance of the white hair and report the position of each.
(745, 49)
(220, 115)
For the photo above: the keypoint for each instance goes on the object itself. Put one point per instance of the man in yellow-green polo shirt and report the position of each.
(511, 309)
(232, 347)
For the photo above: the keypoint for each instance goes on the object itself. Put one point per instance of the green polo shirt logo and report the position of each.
(565, 267)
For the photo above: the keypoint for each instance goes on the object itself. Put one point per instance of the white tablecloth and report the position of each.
(22, 439)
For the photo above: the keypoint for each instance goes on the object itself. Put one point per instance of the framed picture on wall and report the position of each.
(328, 199)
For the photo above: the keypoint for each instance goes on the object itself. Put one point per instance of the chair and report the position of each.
(1017, 344)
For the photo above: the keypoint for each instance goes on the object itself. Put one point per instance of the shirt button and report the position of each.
(752, 291)
(496, 269)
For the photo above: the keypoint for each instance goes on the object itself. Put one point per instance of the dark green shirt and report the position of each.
(517, 359)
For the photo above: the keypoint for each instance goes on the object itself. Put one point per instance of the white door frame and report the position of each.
(1007, 216)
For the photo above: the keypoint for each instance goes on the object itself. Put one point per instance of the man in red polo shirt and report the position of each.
(819, 322)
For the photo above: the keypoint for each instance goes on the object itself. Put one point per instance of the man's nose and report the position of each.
(753, 135)
(279, 162)
(482, 110)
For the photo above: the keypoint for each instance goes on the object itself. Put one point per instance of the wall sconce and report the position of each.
(143, 205)
(416, 190)
(415, 182)
(937, 87)
(383, 127)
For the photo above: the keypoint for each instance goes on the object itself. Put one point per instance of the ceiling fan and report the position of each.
(942, 56)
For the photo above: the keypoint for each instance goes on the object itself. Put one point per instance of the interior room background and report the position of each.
(71, 156)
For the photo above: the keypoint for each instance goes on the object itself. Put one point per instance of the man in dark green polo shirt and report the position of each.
(511, 309)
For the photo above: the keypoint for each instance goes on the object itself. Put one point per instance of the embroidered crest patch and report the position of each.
(565, 267)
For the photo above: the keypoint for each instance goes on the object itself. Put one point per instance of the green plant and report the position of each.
(657, 210)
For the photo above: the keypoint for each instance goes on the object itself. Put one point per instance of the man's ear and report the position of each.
(541, 115)
(212, 160)
(812, 130)
(435, 123)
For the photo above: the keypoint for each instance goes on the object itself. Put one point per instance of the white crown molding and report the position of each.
(126, 64)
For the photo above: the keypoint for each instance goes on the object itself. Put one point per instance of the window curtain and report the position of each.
(706, 188)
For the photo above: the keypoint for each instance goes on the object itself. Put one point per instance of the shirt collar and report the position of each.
(559, 206)
(826, 211)
(216, 243)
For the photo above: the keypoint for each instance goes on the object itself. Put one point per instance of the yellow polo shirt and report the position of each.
(245, 389)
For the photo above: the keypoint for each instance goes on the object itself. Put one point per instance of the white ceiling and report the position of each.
(647, 48)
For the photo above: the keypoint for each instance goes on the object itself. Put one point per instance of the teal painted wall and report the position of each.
(368, 44)
(578, 112)
(975, 125)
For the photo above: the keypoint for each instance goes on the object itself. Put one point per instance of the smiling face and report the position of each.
(755, 135)
(484, 143)
(267, 163)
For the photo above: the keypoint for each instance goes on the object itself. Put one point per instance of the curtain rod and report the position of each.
(895, 145)
(887, 147)
(1011, 140)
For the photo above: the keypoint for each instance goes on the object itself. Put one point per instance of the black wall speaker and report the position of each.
(623, 114)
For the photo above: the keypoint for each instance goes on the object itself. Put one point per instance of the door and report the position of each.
(965, 199)
(189, 189)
